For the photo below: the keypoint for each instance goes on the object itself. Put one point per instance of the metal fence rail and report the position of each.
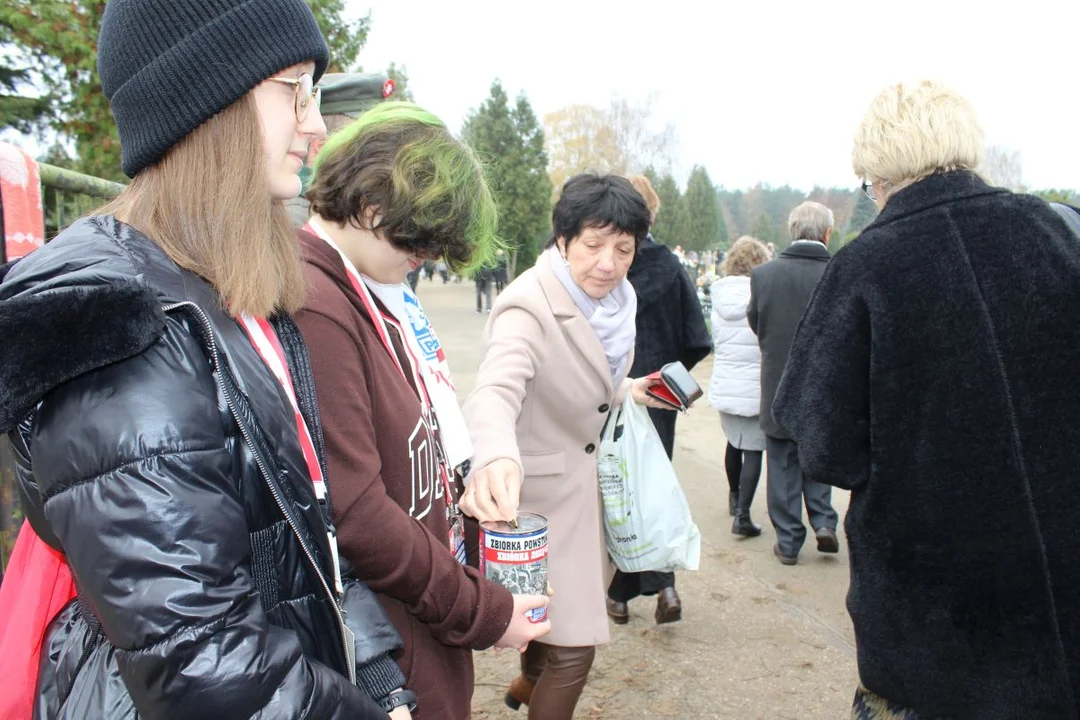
(66, 196)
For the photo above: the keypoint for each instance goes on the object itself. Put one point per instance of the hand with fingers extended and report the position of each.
(494, 492)
(521, 630)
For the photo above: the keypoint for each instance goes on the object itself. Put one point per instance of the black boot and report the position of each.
(744, 526)
(733, 504)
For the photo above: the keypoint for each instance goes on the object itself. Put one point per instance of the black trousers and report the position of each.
(664, 422)
(483, 290)
(627, 586)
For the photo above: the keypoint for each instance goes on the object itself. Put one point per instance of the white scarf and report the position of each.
(405, 306)
(613, 318)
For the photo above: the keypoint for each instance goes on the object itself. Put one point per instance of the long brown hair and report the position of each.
(207, 205)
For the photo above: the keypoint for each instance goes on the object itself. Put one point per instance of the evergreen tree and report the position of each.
(705, 229)
(682, 223)
(765, 230)
(400, 76)
(864, 213)
(511, 143)
(23, 113)
(733, 202)
(670, 221)
(725, 235)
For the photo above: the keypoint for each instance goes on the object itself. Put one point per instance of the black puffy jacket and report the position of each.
(155, 448)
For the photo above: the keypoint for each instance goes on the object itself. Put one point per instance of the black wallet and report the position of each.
(673, 384)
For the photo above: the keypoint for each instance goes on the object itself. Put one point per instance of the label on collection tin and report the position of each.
(516, 558)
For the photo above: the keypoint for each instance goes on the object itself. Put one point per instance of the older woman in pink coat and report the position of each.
(555, 358)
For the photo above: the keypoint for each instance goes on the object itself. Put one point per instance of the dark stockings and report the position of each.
(748, 479)
(733, 462)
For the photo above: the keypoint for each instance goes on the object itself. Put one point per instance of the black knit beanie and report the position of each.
(168, 66)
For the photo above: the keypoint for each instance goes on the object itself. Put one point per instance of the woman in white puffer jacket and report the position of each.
(735, 389)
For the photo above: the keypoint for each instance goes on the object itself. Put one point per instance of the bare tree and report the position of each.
(1003, 167)
(641, 146)
(618, 139)
(578, 139)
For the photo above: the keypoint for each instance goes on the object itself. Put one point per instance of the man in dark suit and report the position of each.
(780, 291)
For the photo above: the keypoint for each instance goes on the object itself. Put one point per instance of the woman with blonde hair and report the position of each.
(934, 376)
(735, 388)
(169, 454)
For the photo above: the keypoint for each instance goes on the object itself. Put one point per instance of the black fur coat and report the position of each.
(936, 374)
(670, 323)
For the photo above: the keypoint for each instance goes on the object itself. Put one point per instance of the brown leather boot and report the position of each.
(559, 688)
(668, 607)
(533, 662)
(520, 692)
(618, 611)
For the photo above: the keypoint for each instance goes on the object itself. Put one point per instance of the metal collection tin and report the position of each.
(516, 558)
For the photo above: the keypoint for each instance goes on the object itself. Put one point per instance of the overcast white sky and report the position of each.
(757, 90)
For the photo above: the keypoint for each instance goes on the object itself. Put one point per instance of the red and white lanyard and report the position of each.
(269, 347)
(382, 327)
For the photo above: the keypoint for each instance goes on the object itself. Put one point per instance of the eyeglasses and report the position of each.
(868, 188)
(307, 94)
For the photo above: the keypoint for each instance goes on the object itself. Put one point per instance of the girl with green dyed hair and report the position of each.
(389, 191)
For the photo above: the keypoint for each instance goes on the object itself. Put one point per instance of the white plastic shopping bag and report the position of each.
(647, 519)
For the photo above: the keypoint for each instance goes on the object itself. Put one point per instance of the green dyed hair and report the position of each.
(399, 164)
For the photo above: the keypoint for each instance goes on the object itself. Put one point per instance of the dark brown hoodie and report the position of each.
(390, 519)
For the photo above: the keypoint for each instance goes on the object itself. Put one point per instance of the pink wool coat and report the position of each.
(543, 392)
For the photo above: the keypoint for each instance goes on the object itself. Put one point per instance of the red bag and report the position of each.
(37, 586)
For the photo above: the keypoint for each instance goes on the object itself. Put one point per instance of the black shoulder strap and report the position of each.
(1069, 215)
(296, 355)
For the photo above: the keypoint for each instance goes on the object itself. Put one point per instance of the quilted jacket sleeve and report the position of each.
(139, 485)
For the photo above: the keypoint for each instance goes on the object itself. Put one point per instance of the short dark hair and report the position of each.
(428, 188)
(599, 201)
